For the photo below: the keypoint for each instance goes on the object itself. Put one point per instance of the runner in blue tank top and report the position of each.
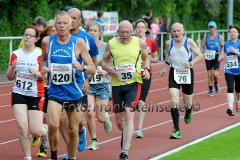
(63, 91)
(232, 69)
(212, 45)
(93, 51)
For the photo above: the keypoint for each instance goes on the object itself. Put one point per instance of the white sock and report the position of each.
(27, 158)
(230, 100)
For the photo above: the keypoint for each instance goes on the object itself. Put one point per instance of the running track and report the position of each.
(157, 127)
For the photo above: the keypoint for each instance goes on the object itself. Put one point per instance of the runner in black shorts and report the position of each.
(180, 58)
(140, 30)
(212, 45)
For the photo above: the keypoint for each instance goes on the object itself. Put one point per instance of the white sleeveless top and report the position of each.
(181, 55)
(26, 83)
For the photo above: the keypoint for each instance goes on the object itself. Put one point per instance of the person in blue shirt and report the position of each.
(64, 92)
(93, 52)
(100, 19)
(212, 45)
(232, 68)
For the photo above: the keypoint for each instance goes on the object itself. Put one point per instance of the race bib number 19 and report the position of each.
(231, 62)
(61, 73)
(97, 79)
(126, 72)
(182, 76)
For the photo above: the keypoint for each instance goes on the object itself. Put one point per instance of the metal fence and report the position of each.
(195, 35)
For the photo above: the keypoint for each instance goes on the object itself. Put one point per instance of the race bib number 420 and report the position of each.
(210, 54)
(182, 76)
(231, 62)
(126, 72)
(61, 73)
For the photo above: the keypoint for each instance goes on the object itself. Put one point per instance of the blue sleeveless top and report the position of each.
(63, 82)
(213, 44)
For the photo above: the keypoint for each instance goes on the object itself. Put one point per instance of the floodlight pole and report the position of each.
(229, 13)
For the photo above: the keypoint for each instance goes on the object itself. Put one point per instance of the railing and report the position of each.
(10, 42)
(195, 35)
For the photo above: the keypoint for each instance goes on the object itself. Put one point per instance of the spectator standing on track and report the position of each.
(140, 30)
(126, 52)
(212, 46)
(64, 92)
(28, 90)
(232, 68)
(180, 58)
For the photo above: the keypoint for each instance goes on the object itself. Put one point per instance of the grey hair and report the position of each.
(63, 13)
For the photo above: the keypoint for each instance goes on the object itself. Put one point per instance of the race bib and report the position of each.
(210, 54)
(182, 76)
(126, 72)
(97, 79)
(25, 81)
(61, 73)
(231, 62)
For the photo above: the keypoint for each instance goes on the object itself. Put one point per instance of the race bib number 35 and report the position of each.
(182, 76)
(61, 73)
(210, 54)
(231, 62)
(126, 72)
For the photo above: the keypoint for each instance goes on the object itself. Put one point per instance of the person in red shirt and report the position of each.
(140, 30)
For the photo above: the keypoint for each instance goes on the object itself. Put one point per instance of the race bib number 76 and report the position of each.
(182, 76)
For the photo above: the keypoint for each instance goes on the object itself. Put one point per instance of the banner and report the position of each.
(110, 20)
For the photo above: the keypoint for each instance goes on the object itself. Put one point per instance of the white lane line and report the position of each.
(154, 90)
(159, 124)
(10, 120)
(195, 142)
(4, 106)
(153, 126)
(10, 141)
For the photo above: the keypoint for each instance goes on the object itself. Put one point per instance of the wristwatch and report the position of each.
(85, 68)
(191, 64)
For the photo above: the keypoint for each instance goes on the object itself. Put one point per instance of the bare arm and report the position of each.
(154, 57)
(105, 65)
(203, 45)
(145, 58)
(11, 71)
(194, 48)
(221, 44)
(45, 47)
(83, 52)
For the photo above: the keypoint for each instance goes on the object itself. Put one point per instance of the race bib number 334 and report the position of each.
(182, 76)
(231, 62)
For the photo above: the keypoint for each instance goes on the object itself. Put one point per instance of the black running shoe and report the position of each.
(230, 112)
(123, 156)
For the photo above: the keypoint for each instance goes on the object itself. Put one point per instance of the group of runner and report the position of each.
(82, 71)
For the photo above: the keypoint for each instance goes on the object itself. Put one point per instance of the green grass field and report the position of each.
(225, 146)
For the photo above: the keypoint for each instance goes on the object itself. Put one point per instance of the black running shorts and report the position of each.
(186, 88)
(33, 103)
(125, 96)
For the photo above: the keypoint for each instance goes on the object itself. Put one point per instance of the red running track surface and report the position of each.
(209, 118)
